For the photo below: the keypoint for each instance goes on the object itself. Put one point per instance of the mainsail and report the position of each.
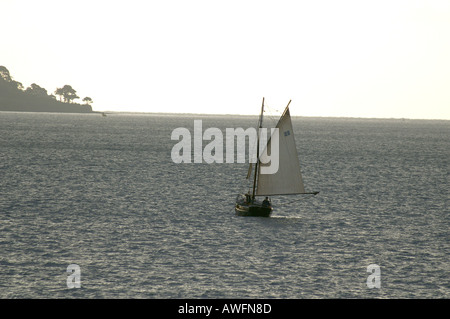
(288, 178)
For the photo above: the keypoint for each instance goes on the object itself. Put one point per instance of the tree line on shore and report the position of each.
(13, 93)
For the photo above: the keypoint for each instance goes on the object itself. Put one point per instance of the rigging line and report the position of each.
(272, 109)
(272, 114)
(273, 119)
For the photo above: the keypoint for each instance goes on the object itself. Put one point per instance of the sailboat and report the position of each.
(286, 181)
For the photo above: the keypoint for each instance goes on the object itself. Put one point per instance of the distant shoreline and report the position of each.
(51, 112)
(74, 109)
(255, 115)
(107, 113)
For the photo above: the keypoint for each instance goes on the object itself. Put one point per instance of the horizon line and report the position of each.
(236, 114)
(305, 116)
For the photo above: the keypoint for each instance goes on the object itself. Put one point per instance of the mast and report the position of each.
(257, 151)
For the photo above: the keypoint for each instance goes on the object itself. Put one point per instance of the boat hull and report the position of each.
(253, 210)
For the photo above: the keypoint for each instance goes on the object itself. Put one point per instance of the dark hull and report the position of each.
(253, 210)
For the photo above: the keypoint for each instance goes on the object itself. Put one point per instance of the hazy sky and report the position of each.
(332, 58)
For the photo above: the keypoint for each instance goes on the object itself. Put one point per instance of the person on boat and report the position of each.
(247, 198)
(266, 201)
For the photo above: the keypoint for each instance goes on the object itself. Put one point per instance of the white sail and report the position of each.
(288, 178)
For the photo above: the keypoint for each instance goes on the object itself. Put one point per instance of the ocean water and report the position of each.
(104, 194)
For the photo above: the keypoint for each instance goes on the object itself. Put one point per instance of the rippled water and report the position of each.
(103, 193)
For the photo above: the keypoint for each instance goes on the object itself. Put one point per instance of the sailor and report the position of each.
(266, 201)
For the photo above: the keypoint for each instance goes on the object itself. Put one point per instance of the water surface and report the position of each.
(103, 193)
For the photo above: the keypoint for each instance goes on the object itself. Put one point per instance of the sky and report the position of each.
(340, 58)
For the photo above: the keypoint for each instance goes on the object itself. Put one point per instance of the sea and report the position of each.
(94, 207)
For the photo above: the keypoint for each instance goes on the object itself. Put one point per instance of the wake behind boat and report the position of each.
(286, 181)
